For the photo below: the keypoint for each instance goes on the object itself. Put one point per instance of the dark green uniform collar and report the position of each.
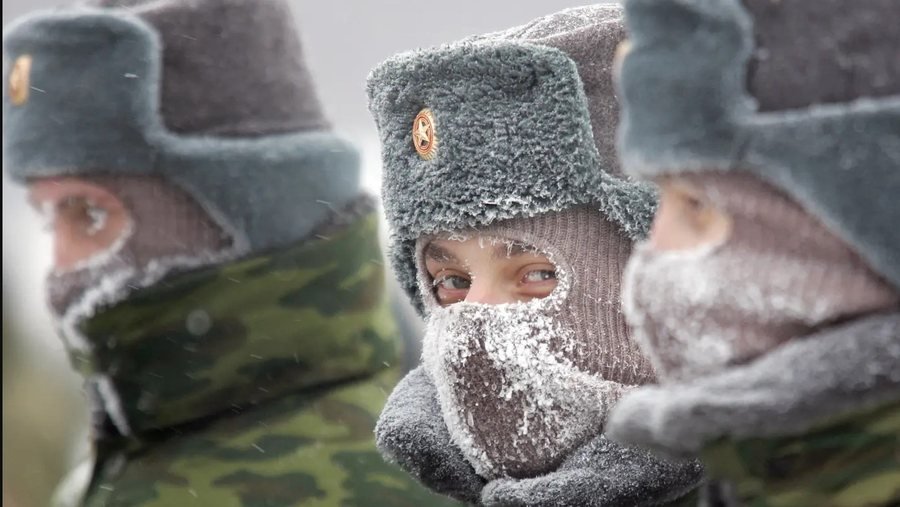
(223, 338)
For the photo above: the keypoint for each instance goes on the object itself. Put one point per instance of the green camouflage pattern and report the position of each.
(232, 335)
(314, 449)
(853, 461)
(257, 383)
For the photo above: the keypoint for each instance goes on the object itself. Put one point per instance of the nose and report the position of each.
(488, 292)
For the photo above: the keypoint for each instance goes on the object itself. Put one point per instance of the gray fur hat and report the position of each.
(505, 125)
(803, 94)
(211, 95)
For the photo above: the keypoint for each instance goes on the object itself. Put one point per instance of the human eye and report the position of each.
(539, 275)
(452, 282)
(451, 288)
(537, 281)
(82, 214)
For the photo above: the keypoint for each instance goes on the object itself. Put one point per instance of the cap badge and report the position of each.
(424, 135)
(20, 80)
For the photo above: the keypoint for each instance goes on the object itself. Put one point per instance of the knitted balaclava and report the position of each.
(492, 137)
(198, 115)
(166, 229)
(523, 384)
(779, 274)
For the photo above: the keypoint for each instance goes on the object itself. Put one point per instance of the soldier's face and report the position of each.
(686, 219)
(113, 234)
(483, 270)
(85, 220)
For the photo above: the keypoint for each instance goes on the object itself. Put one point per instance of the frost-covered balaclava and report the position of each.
(509, 136)
(522, 384)
(777, 275)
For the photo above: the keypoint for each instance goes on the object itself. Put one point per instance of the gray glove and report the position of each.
(601, 473)
(411, 433)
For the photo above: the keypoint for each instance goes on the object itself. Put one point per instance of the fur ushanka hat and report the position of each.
(804, 95)
(210, 95)
(511, 124)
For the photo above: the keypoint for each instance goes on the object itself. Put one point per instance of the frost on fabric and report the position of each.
(104, 280)
(105, 277)
(513, 401)
(98, 216)
(696, 312)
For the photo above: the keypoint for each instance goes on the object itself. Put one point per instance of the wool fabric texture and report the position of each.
(522, 385)
(167, 230)
(780, 274)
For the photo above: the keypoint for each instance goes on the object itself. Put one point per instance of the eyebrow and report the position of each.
(440, 254)
(507, 250)
(501, 251)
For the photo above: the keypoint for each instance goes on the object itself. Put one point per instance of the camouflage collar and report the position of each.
(851, 460)
(227, 337)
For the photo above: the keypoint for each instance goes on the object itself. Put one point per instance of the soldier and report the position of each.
(217, 275)
(511, 225)
(768, 294)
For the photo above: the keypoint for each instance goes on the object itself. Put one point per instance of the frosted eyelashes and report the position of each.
(486, 270)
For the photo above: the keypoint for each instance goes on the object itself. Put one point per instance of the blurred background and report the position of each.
(44, 418)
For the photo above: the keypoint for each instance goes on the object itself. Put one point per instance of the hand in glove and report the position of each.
(411, 433)
(601, 473)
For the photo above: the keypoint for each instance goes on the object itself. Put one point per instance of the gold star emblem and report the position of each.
(20, 80)
(424, 138)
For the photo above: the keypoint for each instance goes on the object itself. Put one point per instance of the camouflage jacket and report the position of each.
(853, 461)
(813, 423)
(257, 383)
